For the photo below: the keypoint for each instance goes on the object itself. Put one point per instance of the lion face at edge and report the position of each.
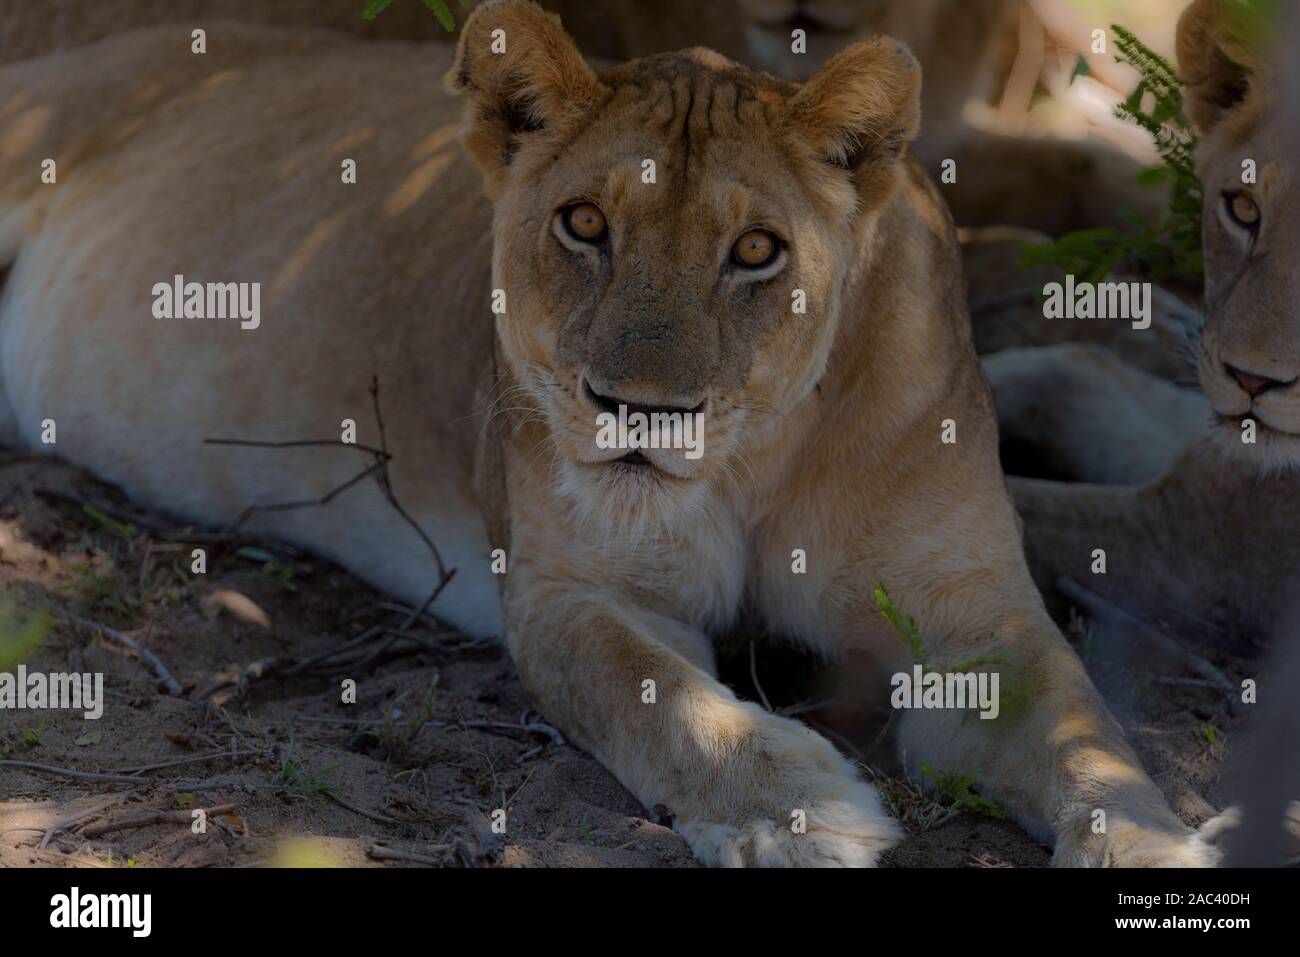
(1249, 361)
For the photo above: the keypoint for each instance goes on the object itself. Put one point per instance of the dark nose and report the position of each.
(1255, 384)
(611, 403)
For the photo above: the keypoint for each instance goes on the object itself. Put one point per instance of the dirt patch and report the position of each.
(441, 734)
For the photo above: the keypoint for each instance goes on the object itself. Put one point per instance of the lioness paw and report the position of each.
(801, 805)
(1125, 844)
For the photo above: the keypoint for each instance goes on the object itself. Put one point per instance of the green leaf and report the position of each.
(441, 11)
(19, 640)
(91, 737)
(1154, 176)
(954, 791)
(902, 622)
(254, 554)
(374, 8)
(120, 530)
(1134, 102)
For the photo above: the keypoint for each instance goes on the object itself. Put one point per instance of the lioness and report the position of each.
(678, 235)
(1207, 530)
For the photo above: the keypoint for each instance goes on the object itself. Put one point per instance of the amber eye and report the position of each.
(1243, 209)
(585, 222)
(755, 249)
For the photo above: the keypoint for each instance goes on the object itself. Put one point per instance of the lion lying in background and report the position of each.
(1045, 183)
(678, 235)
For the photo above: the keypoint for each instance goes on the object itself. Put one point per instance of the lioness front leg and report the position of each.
(1040, 740)
(1053, 755)
(636, 690)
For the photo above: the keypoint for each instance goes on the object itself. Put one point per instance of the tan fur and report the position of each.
(1210, 538)
(29, 30)
(822, 428)
(1042, 182)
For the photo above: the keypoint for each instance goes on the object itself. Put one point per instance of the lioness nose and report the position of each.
(1254, 384)
(607, 402)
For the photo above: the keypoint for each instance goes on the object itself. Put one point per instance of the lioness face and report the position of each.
(670, 287)
(1250, 349)
(672, 238)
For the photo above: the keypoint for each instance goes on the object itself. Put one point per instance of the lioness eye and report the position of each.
(1243, 209)
(585, 222)
(755, 249)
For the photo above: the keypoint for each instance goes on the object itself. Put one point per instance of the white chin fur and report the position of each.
(1271, 453)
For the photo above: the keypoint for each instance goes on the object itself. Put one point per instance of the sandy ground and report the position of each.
(436, 741)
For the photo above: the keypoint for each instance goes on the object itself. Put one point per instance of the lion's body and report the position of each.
(826, 428)
(221, 168)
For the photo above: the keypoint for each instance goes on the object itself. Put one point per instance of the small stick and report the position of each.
(173, 686)
(378, 852)
(157, 817)
(189, 787)
(538, 726)
(69, 773)
(297, 444)
(843, 742)
(199, 759)
(753, 674)
(804, 707)
(374, 816)
(60, 825)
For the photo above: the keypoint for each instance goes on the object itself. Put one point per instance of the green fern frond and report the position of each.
(1170, 248)
(439, 7)
(903, 623)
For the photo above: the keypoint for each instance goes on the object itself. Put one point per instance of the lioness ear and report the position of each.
(523, 74)
(863, 106)
(1216, 63)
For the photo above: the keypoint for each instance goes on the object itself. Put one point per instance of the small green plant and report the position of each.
(1170, 248)
(903, 623)
(398, 734)
(426, 710)
(281, 573)
(1209, 733)
(1013, 700)
(439, 7)
(297, 780)
(19, 636)
(122, 531)
(102, 590)
(953, 790)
